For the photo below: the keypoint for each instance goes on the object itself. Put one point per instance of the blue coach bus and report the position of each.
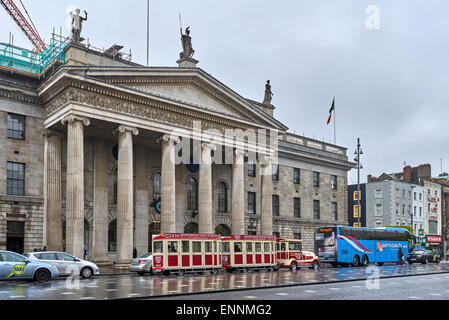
(360, 246)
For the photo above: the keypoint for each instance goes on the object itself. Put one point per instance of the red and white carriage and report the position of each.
(244, 252)
(186, 252)
(290, 255)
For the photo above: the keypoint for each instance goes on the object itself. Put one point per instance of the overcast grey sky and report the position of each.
(390, 84)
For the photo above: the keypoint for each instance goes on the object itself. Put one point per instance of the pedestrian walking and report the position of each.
(134, 252)
(85, 253)
(400, 256)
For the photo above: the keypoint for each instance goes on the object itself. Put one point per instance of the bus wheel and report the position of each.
(293, 266)
(356, 261)
(365, 260)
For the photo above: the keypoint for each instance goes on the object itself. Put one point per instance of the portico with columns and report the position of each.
(110, 131)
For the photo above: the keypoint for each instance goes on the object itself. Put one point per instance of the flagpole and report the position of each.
(335, 134)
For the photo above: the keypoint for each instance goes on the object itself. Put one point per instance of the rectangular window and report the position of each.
(208, 246)
(414, 195)
(414, 211)
(266, 247)
(238, 246)
(297, 235)
(433, 227)
(16, 126)
(251, 169)
(356, 224)
(403, 209)
(397, 208)
(379, 211)
(258, 246)
(276, 234)
(296, 175)
(334, 182)
(226, 247)
(397, 193)
(297, 207)
(196, 246)
(334, 211)
(185, 246)
(251, 203)
(316, 179)
(356, 195)
(249, 247)
(15, 180)
(379, 193)
(420, 211)
(275, 205)
(403, 194)
(356, 211)
(316, 209)
(275, 172)
(173, 246)
(420, 196)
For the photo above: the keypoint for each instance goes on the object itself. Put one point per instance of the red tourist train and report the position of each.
(191, 252)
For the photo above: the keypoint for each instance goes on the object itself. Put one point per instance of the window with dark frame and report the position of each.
(316, 209)
(275, 205)
(251, 202)
(296, 175)
(275, 172)
(222, 197)
(16, 126)
(15, 179)
(192, 194)
(156, 187)
(334, 182)
(297, 207)
(316, 179)
(251, 169)
(297, 236)
(335, 211)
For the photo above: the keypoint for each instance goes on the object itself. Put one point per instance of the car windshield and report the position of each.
(146, 255)
(418, 251)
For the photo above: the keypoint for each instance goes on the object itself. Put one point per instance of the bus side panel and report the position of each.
(344, 254)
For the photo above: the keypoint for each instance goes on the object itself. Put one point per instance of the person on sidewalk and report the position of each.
(134, 252)
(400, 256)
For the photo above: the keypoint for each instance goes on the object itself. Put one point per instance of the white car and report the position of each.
(66, 263)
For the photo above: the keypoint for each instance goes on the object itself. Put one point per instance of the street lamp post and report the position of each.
(358, 152)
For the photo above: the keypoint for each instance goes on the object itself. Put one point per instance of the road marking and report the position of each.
(111, 290)
(250, 297)
(51, 289)
(335, 288)
(282, 294)
(86, 298)
(15, 297)
(356, 286)
(310, 291)
(92, 286)
(67, 292)
(4, 292)
(133, 294)
(434, 294)
(413, 297)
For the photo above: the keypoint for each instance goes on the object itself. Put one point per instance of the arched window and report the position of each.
(222, 197)
(192, 194)
(223, 230)
(112, 236)
(156, 187)
(191, 227)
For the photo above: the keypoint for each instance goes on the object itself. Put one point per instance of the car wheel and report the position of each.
(356, 261)
(293, 266)
(141, 273)
(410, 263)
(42, 275)
(314, 265)
(437, 261)
(365, 261)
(86, 273)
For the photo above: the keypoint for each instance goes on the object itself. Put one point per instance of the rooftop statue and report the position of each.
(268, 93)
(77, 22)
(186, 40)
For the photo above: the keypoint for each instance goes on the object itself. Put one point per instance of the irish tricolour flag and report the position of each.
(330, 111)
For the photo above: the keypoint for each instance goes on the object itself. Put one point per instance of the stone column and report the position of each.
(168, 190)
(238, 193)
(75, 184)
(205, 190)
(100, 216)
(125, 196)
(52, 191)
(266, 197)
(141, 222)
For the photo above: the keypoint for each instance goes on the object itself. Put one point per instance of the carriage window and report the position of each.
(249, 247)
(278, 246)
(208, 246)
(282, 246)
(196, 246)
(258, 246)
(225, 247)
(215, 246)
(294, 246)
(173, 246)
(273, 246)
(266, 247)
(185, 246)
(238, 247)
(157, 247)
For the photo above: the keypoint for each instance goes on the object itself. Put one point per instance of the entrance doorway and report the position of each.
(14, 236)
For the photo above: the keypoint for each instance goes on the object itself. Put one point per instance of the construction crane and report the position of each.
(23, 24)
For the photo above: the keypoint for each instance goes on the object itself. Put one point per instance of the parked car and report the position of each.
(14, 266)
(423, 256)
(142, 264)
(66, 263)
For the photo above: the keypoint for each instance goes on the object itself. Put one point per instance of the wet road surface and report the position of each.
(134, 286)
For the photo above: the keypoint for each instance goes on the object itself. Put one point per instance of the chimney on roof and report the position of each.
(407, 174)
(424, 171)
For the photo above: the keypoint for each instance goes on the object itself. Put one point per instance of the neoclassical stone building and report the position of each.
(90, 159)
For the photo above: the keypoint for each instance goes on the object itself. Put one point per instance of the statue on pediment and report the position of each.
(186, 40)
(77, 24)
(268, 94)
